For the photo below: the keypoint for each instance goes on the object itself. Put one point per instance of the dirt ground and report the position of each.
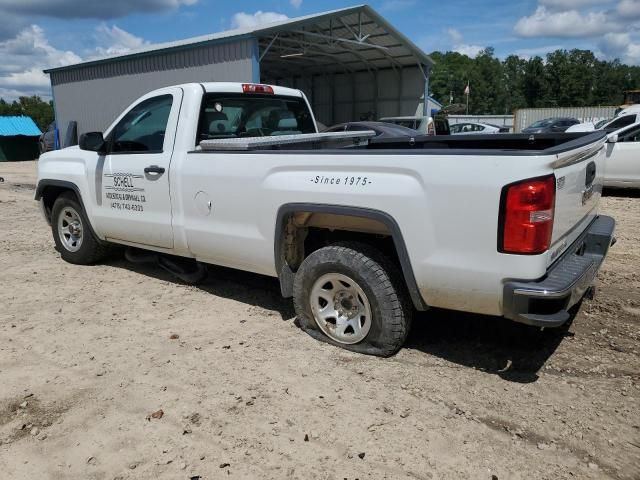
(87, 354)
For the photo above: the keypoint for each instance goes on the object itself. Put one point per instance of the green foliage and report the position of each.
(571, 78)
(40, 111)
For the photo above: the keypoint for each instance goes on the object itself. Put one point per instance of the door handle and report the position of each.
(154, 169)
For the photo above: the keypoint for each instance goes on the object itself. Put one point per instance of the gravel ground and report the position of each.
(90, 356)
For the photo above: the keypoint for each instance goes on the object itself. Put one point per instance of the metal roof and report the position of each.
(12, 126)
(349, 39)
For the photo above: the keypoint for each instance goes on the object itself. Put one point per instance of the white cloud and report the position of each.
(89, 8)
(295, 3)
(457, 40)
(115, 41)
(244, 20)
(629, 9)
(546, 23)
(24, 57)
(29, 52)
(621, 46)
(571, 4)
(528, 53)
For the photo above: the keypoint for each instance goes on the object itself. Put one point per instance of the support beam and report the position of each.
(338, 39)
(268, 47)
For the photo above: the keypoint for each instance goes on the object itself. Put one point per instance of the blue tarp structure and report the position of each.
(18, 138)
(12, 126)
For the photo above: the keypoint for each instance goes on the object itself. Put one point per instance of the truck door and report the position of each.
(132, 183)
(623, 158)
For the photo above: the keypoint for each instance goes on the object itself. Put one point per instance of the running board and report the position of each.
(186, 269)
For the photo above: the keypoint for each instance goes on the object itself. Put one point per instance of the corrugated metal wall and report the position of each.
(95, 95)
(526, 116)
(344, 97)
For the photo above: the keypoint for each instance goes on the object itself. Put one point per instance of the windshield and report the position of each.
(541, 123)
(228, 115)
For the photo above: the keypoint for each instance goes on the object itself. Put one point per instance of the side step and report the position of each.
(186, 269)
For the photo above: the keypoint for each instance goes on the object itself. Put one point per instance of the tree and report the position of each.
(563, 79)
(40, 111)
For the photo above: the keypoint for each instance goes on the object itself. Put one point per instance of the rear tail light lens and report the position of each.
(431, 129)
(526, 216)
(256, 88)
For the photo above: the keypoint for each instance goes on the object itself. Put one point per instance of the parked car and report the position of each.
(610, 125)
(382, 129)
(47, 141)
(470, 128)
(623, 158)
(359, 235)
(550, 125)
(424, 125)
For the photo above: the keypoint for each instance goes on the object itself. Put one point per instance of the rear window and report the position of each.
(229, 115)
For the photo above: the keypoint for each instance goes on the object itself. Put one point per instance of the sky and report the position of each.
(39, 34)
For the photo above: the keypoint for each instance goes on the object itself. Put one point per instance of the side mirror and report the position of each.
(612, 138)
(92, 141)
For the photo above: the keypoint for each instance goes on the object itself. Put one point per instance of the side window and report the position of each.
(142, 129)
(621, 122)
(631, 136)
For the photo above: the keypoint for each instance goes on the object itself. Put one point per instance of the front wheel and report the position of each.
(72, 234)
(353, 297)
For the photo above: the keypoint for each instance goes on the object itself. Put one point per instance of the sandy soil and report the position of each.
(88, 353)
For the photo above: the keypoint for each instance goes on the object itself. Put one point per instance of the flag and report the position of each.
(466, 89)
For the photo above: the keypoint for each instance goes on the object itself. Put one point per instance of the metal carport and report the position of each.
(350, 62)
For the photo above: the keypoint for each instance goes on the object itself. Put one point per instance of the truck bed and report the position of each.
(357, 142)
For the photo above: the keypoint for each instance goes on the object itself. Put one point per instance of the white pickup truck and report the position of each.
(360, 231)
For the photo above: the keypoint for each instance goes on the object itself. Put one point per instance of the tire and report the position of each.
(68, 223)
(377, 312)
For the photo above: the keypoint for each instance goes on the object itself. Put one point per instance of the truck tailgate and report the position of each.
(579, 180)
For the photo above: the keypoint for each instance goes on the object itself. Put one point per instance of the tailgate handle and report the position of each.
(590, 174)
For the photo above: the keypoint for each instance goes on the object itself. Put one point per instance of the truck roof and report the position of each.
(232, 87)
(236, 87)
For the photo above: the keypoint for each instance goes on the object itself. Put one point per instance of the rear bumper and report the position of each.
(545, 302)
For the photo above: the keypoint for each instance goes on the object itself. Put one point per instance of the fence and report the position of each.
(526, 116)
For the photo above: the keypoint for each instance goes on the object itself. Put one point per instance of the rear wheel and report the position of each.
(71, 232)
(353, 297)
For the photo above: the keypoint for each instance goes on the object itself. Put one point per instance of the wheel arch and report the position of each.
(48, 190)
(286, 275)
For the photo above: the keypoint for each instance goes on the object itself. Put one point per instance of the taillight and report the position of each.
(256, 88)
(526, 216)
(431, 129)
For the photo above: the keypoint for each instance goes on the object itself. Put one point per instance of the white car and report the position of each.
(476, 128)
(622, 167)
(623, 119)
(359, 230)
(423, 125)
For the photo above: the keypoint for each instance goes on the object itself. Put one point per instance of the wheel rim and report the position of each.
(340, 308)
(70, 229)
